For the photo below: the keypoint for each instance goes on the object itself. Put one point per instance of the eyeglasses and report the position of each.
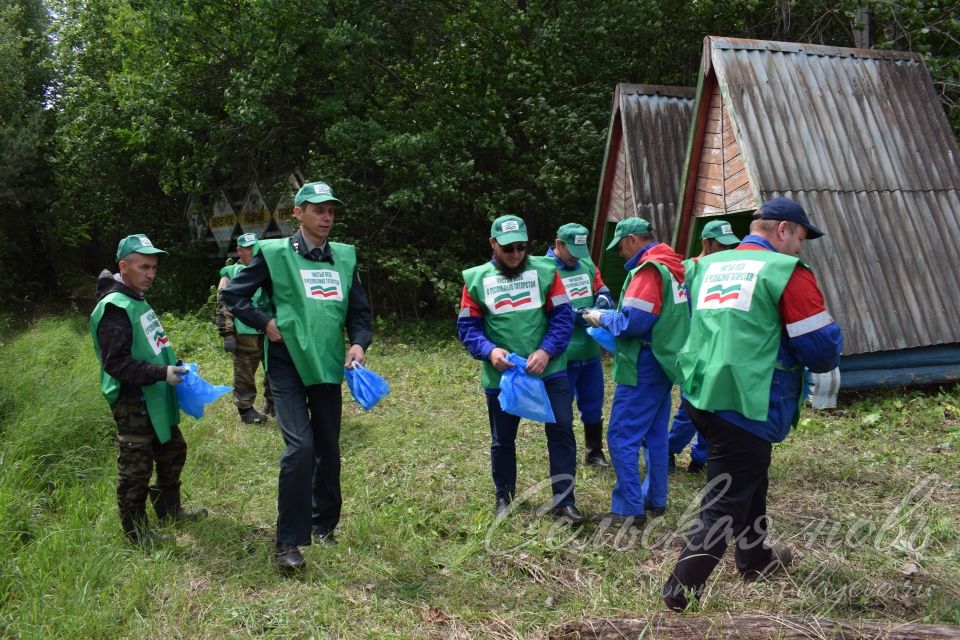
(513, 248)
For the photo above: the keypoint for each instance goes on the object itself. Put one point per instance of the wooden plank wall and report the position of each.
(621, 203)
(722, 181)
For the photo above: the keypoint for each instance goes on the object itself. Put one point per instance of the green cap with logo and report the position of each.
(247, 240)
(508, 229)
(721, 231)
(137, 243)
(629, 227)
(574, 236)
(315, 192)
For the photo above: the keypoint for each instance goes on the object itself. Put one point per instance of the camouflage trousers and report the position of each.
(246, 359)
(139, 450)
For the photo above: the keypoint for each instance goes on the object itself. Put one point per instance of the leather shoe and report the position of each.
(568, 512)
(781, 557)
(611, 519)
(288, 556)
(598, 460)
(252, 416)
(502, 508)
(324, 539)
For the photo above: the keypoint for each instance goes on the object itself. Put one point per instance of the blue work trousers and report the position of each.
(309, 495)
(561, 445)
(681, 433)
(638, 419)
(586, 381)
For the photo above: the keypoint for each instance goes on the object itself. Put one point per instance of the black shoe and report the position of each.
(502, 508)
(611, 519)
(326, 539)
(288, 556)
(270, 409)
(672, 595)
(655, 511)
(781, 557)
(696, 467)
(251, 416)
(672, 464)
(567, 512)
(597, 459)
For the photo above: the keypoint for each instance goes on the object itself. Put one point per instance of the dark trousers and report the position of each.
(309, 418)
(737, 512)
(561, 444)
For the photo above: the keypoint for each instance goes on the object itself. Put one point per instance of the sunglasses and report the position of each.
(513, 248)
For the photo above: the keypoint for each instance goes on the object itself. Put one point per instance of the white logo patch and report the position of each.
(578, 287)
(321, 189)
(729, 285)
(322, 284)
(679, 291)
(510, 225)
(153, 330)
(505, 295)
(145, 242)
(726, 229)
(579, 239)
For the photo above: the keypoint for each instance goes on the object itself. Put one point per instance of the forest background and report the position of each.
(429, 118)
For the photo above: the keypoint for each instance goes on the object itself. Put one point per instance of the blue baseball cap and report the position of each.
(786, 209)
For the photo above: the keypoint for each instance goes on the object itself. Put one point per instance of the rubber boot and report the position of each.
(593, 438)
(137, 528)
(166, 502)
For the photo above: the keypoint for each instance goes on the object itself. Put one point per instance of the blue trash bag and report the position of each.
(195, 393)
(524, 395)
(367, 387)
(604, 337)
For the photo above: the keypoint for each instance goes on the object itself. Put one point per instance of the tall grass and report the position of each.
(420, 554)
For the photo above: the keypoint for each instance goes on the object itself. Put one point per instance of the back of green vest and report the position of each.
(311, 299)
(579, 285)
(515, 315)
(259, 300)
(150, 344)
(729, 358)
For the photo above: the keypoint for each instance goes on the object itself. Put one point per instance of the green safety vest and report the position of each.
(150, 344)
(668, 334)
(729, 359)
(579, 285)
(311, 299)
(259, 299)
(516, 316)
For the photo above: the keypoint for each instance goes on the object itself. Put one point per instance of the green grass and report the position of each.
(868, 495)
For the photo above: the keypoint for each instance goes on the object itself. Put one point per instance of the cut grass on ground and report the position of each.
(867, 495)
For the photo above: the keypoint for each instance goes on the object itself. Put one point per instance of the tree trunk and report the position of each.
(746, 627)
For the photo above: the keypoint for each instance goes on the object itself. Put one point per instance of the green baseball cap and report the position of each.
(509, 229)
(574, 236)
(315, 192)
(247, 240)
(137, 243)
(629, 227)
(721, 231)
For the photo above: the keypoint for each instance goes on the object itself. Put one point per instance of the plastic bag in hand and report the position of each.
(604, 337)
(195, 393)
(367, 387)
(522, 394)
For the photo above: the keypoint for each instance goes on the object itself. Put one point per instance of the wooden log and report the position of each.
(747, 627)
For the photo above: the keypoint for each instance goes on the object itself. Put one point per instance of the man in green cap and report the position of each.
(138, 372)
(244, 343)
(717, 236)
(517, 304)
(315, 292)
(581, 279)
(649, 325)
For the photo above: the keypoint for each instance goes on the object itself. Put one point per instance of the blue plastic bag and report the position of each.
(195, 393)
(524, 395)
(604, 337)
(367, 387)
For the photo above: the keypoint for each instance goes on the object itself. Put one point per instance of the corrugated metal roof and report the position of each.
(656, 121)
(859, 138)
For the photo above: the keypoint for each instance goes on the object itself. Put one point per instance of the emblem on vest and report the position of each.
(156, 336)
(321, 284)
(679, 291)
(578, 286)
(505, 295)
(729, 285)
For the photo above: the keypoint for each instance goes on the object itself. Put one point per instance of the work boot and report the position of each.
(288, 557)
(568, 512)
(593, 439)
(137, 528)
(166, 502)
(251, 416)
(270, 409)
